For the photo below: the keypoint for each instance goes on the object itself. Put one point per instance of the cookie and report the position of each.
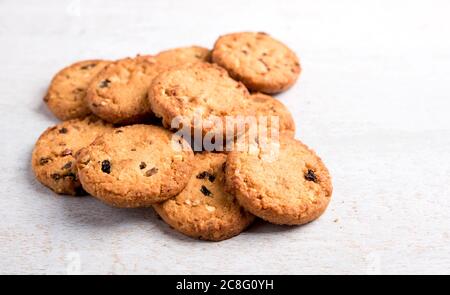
(197, 91)
(66, 94)
(118, 94)
(259, 61)
(203, 209)
(286, 184)
(135, 166)
(53, 158)
(183, 55)
(262, 105)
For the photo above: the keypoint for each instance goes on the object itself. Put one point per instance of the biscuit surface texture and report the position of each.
(135, 166)
(53, 158)
(67, 91)
(183, 55)
(258, 60)
(290, 187)
(262, 105)
(203, 209)
(199, 90)
(118, 94)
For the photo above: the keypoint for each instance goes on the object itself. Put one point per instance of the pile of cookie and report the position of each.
(117, 141)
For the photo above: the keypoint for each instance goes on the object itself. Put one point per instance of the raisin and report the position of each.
(206, 174)
(142, 165)
(68, 165)
(118, 131)
(205, 191)
(44, 161)
(106, 166)
(133, 149)
(63, 130)
(310, 176)
(104, 83)
(151, 172)
(56, 176)
(89, 66)
(66, 152)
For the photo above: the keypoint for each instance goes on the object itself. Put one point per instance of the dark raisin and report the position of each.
(56, 176)
(104, 83)
(142, 165)
(106, 166)
(205, 191)
(68, 165)
(89, 66)
(44, 161)
(310, 176)
(118, 131)
(66, 152)
(133, 149)
(151, 172)
(206, 174)
(63, 130)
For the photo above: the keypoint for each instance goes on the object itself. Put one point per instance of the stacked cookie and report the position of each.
(121, 141)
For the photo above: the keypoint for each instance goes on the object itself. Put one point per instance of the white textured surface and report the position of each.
(373, 100)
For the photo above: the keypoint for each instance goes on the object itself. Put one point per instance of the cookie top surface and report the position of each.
(264, 105)
(197, 90)
(118, 94)
(203, 209)
(291, 186)
(258, 60)
(135, 166)
(67, 91)
(53, 159)
(183, 55)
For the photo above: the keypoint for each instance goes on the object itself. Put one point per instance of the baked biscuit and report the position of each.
(118, 94)
(285, 184)
(183, 55)
(259, 61)
(53, 158)
(197, 91)
(135, 166)
(66, 94)
(203, 209)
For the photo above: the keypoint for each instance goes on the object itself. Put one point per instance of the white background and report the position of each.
(373, 100)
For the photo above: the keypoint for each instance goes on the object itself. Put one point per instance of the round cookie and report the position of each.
(183, 55)
(118, 94)
(53, 158)
(203, 209)
(199, 90)
(264, 105)
(66, 94)
(135, 166)
(290, 185)
(259, 61)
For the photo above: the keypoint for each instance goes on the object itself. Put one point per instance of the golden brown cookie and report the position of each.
(262, 105)
(118, 94)
(203, 209)
(53, 159)
(258, 60)
(67, 91)
(135, 166)
(199, 90)
(183, 55)
(286, 184)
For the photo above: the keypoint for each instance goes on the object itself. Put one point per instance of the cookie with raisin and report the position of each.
(283, 182)
(261, 62)
(118, 94)
(203, 209)
(53, 157)
(67, 91)
(135, 166)
(183, 55)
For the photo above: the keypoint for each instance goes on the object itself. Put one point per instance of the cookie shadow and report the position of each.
(260, 226)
